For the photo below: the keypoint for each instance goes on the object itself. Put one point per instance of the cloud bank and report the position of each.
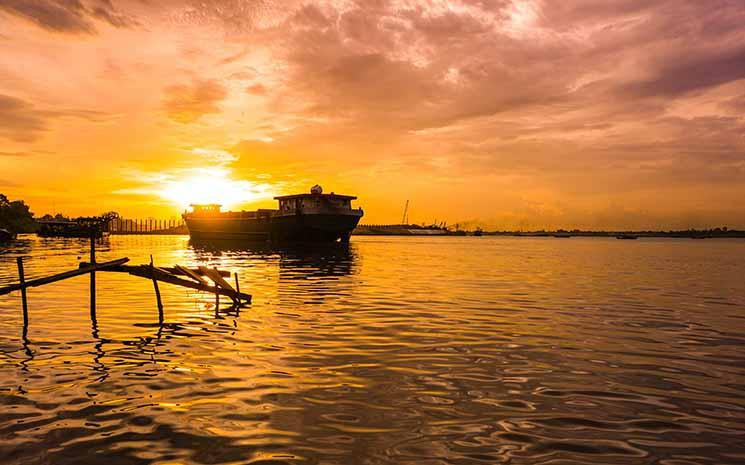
(513, 113)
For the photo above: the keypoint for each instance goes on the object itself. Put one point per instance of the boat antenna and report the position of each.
(405, 219)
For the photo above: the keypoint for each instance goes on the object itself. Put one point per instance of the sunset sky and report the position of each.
(502, 113)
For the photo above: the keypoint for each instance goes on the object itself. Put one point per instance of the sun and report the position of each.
(212, 185)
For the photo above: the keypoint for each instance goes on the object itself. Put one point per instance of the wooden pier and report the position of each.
(193, 278)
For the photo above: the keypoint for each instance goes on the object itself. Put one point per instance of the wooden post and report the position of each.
(93, 277)
(157, 291)
(238, 295)
(19, 261)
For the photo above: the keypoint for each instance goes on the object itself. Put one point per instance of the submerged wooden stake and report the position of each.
(93, 275)
(22, 278)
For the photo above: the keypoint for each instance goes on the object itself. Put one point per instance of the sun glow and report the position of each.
(212, 185)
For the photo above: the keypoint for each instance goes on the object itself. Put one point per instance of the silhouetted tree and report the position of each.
(57, 217)
(15, 216)
(109, 216)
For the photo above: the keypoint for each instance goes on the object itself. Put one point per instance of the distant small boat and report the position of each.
(628, 237)
(6, 236)
(563, 235)
(94, 226)
(478, 232)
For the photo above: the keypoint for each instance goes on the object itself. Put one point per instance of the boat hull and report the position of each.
(281, 228)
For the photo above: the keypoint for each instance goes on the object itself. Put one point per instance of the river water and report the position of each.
(390, 350)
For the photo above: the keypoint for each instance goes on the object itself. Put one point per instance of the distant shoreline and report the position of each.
(739, 235)
(420, 231)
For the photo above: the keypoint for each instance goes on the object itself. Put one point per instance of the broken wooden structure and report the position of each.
(193, 278)
(84, 226)
(201, 278)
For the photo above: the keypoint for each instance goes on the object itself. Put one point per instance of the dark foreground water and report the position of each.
(392, 350)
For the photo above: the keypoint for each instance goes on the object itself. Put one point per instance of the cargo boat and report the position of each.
(313, 217)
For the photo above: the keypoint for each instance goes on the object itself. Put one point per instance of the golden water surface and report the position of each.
(390, 350)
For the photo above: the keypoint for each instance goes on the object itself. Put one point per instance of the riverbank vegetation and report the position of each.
(16, 216)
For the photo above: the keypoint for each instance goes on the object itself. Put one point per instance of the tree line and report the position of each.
(17, 217)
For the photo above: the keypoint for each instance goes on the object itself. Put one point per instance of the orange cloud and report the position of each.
(186, 103)
(72, 16)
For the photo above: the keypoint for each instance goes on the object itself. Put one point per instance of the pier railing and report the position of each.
(147, 226)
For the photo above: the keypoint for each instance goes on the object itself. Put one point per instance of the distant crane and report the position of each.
(405, 219)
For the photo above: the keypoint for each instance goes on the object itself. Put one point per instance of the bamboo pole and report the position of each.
(162, 274)
(60, 276)
(215, 276)
(191, 274)
(177, 270)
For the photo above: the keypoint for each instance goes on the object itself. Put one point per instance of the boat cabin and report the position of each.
(206, 209)
(316, 201)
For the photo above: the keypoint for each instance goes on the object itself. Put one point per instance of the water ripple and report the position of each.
(389, 350)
